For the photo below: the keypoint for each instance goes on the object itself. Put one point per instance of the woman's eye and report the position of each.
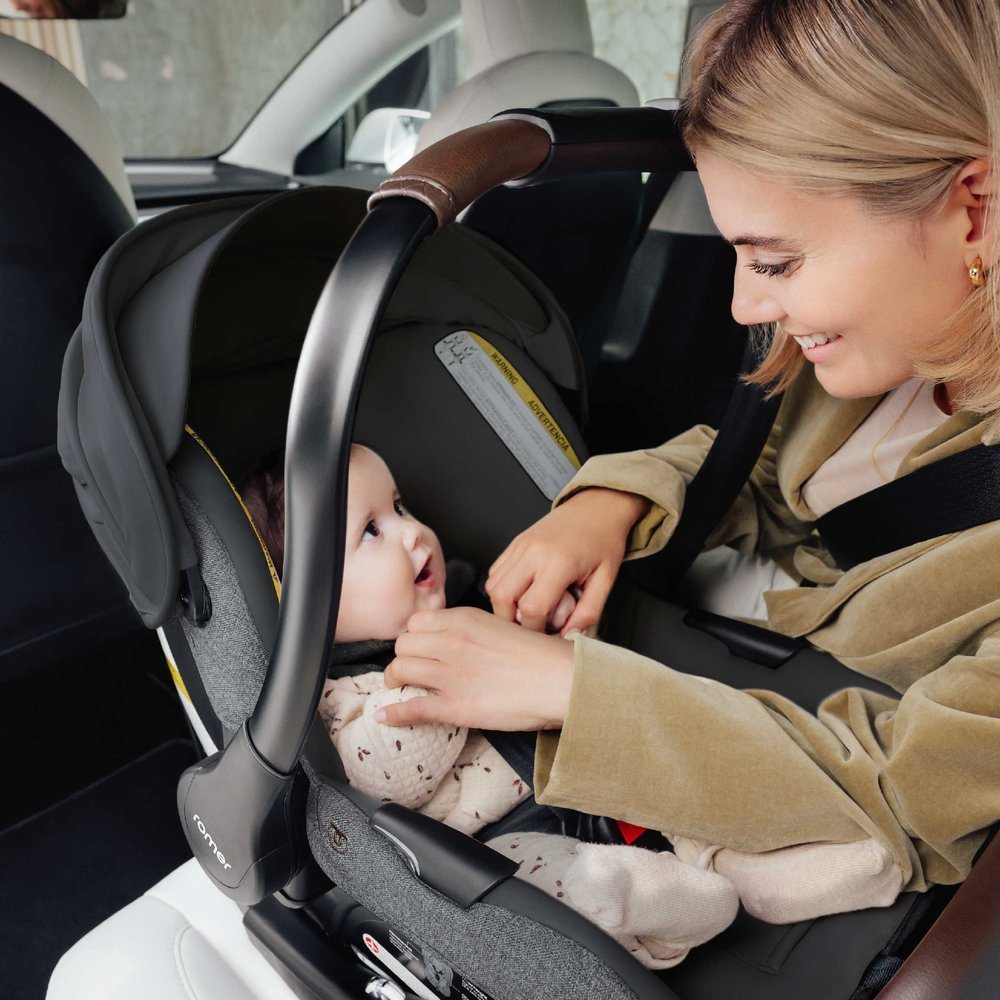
(371, 530)
(771, 270)
(397, 506)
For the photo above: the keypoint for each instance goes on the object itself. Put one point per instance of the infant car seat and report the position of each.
(204, 329)
(184, 367)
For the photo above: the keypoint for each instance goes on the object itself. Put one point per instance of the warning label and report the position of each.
(510, 406)
(420, 969)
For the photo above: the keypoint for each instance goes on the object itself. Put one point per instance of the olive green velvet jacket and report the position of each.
(750, 769)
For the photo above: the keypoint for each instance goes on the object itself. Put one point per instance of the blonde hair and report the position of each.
(883, 100)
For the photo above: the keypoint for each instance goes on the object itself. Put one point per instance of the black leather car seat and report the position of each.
(65, 200)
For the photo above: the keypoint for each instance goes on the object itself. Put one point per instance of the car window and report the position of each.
(642, 39)
(181, 80)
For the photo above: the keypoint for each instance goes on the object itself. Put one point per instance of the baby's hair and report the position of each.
(262, 491)
(263, 495)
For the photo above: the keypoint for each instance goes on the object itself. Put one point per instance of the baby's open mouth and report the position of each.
(425, 575)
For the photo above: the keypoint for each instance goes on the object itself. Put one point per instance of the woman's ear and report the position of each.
(973, 196)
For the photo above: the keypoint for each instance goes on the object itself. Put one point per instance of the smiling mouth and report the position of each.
(425, 576)
(815, 340)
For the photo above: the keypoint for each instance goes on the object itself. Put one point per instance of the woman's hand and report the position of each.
(483, 673)
(582, 543)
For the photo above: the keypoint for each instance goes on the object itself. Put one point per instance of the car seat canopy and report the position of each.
(197, 318)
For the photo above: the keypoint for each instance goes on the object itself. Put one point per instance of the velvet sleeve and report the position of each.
(753, 771)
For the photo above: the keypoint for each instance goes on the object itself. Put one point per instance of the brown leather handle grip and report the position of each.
(450, 175)
(959, 942)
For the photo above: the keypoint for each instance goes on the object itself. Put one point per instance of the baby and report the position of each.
(658, 905)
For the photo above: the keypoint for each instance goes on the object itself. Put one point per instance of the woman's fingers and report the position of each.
(530, 591)
(593, 597)
(562, 612)
(505, 586)
(412, 670)
(481, 672)
(413, 711)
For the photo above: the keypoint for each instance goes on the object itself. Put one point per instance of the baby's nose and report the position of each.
(411, 534)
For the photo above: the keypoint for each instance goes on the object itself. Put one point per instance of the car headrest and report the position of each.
(525, 54)
(494, 31)
(50, 88)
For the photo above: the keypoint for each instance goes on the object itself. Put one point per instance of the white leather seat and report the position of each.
(181, 940)
(522, 53)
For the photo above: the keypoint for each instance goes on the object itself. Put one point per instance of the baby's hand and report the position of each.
(559, 616)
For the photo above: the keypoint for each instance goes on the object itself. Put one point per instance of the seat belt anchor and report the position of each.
(195, 598)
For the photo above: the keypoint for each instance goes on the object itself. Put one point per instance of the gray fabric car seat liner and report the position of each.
(510, 951)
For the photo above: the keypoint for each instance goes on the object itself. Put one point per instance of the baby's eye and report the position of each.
(771, 270)
(371, 530)
(397, 506)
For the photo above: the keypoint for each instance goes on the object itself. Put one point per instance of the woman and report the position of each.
(848, 152)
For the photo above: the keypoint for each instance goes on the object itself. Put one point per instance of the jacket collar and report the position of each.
(818, 424)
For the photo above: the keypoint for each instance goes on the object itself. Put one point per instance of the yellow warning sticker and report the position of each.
(511, 407)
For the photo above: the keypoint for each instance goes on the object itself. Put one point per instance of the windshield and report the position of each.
(183, 79)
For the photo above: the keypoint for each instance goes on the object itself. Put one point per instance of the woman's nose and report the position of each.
(753, 304)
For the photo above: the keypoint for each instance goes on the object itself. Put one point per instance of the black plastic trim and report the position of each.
(302, 954)
(244, 821)
(603, 139)
(457, 866)
(752, 642)
(165, 183)
(320, 425)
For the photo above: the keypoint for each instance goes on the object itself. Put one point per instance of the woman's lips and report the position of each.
(819, 347)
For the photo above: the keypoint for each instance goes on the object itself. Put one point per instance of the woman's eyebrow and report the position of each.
(763, 242)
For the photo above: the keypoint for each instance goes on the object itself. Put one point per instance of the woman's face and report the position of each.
(863, 296)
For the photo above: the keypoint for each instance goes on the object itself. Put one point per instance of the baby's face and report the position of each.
(393, 564)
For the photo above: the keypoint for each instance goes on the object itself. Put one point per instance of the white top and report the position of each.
(871, 456)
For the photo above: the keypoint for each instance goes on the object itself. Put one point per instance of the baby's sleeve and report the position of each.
(404, 764)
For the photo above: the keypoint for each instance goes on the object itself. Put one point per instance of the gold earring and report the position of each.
(976, 273)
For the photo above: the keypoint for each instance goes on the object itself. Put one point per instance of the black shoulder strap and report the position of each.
(955, 493)
(741, 437)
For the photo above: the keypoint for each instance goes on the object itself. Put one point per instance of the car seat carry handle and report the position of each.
(524, 147)
(256, 776)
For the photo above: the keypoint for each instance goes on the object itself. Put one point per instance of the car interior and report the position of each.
(143, 630)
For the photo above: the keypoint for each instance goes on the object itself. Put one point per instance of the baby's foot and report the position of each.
(544, 858)
(651, 903)
(805, 881)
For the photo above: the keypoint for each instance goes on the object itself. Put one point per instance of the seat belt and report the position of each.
(738, 443)
(606, 315)
(952, 494)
